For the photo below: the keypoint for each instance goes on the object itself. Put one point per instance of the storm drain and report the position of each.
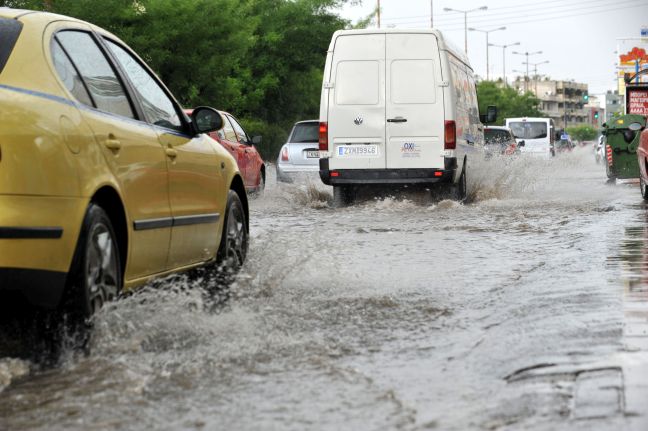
(598, 394)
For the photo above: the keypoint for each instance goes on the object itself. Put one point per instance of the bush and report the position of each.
(274, 136)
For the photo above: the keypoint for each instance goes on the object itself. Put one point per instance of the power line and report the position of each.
(546, 17)
(523, 9)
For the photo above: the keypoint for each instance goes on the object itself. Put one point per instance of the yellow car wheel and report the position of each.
(234, 242)
(95, 276)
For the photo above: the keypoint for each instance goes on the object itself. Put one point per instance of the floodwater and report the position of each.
(397, 313)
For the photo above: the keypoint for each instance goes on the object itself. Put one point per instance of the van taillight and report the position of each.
(450, 135)
(284, 154)
(323, 136)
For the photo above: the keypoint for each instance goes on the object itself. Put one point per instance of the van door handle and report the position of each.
(397, 120)
(171, 153)
(112, 144)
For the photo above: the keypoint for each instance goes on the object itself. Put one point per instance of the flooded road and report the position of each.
(524, 309)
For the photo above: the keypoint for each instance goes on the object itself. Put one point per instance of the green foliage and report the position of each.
(261, 60)
(582, 133)
(509, 102)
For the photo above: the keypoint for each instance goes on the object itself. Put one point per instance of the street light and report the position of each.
(535, 73)
(504, 57)
(465, 12)
(487, 44)
(526, 88)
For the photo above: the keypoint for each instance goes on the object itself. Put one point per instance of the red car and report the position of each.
(642, 157)
(234, 138)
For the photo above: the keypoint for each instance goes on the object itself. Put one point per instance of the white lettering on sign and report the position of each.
(638, 102)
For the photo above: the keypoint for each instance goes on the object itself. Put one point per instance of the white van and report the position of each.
(537, 134)
(398, 107)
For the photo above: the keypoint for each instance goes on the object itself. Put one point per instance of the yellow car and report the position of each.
(105, 183)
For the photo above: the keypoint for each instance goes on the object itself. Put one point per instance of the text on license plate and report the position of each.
(312, 154)
(357, 150)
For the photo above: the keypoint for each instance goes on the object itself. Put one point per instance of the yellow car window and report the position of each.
(69, 75)
(158, 107)
(105, 88)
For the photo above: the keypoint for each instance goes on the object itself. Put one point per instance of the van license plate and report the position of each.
(357, 150)
(312, 154)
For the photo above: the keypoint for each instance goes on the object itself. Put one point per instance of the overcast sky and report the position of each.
(577, 37)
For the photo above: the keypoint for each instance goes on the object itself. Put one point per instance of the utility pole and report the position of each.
(535, 74)
(487, 45)
(431, 13)
(465, 12)
(504, 58)
(526, 78)
(378, 13)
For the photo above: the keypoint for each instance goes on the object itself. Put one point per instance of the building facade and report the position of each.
(613, 104)
(564, 101)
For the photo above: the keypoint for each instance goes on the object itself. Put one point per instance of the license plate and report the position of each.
(357, 150)
(312, 154)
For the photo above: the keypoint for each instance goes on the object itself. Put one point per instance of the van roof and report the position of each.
(444, 44)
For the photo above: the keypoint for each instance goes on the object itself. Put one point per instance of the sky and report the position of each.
(578, 38)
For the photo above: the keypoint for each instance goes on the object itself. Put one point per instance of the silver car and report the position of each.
(300, 155)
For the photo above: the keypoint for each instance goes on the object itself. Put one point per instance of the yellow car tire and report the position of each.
(234, 241)
(95, 275)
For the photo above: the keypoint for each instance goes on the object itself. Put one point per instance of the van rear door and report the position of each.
(356, 115)
(414, 105)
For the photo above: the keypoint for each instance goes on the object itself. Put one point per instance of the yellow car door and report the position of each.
(196, 172)
(132, 151)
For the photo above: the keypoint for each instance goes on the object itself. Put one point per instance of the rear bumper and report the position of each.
(288, 172)
(387, 176)
(39, 287)
(38, 236)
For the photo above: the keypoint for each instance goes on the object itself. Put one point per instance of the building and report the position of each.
(613, 104)
(563, 101)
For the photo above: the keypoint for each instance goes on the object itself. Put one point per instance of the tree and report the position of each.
(582, 133)
(509, 102)
(262, 60)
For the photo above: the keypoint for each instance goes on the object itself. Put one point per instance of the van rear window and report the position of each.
(357, 83)
(528, 129)
(9, 32)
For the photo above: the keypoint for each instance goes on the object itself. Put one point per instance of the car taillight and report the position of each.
(450, 135)
(284, 154)
(323, 136)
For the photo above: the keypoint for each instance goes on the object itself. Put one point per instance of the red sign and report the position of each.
(637, 102)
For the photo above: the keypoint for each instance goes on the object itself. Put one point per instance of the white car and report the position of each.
(537, 133)
(299, 157)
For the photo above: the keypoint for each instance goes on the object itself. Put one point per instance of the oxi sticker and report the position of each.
(410, 149)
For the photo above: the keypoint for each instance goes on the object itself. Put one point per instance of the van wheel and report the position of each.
(644, 188)
(96, 276)
(234, 240)
(343, 196)
(459, 191)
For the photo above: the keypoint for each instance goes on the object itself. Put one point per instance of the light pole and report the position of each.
(378, 12)
(465, 12)
(487, 44)
(504, 58)
(431, 13)
(535, 74)
(526, 79)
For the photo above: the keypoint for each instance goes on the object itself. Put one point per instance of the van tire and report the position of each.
(459, 191)
(343, 196)
(644, 188)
